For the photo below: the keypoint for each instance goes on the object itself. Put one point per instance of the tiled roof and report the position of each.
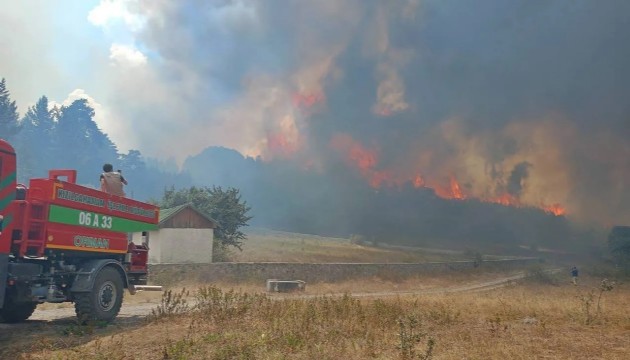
(166, 214)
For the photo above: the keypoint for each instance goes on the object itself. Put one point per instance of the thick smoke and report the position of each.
(525, 98)
(517, 178)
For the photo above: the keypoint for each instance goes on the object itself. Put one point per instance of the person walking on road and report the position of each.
(574, 275)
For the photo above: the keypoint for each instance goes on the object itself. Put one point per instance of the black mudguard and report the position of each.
(84, 280)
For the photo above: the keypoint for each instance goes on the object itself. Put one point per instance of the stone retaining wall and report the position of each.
(332, 272)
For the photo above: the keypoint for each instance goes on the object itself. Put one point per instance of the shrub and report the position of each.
(171, 304)
(410, 335)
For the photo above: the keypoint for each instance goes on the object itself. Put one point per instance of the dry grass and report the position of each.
(363, 285)
(523, 321)
(276, 246)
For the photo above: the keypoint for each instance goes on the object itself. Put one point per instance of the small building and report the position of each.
(185, 235)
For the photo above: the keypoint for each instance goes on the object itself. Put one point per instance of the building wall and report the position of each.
(186, 245)
(179, 246)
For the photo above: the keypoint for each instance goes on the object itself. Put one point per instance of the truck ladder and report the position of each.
(32, 241)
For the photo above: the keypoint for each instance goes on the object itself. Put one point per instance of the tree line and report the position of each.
(68, 137)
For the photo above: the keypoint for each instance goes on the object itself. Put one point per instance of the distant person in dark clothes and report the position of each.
(112, 181)
(574, 275)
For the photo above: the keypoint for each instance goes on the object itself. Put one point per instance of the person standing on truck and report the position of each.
(112, 181)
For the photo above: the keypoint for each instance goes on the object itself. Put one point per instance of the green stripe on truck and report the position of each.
(94, 220)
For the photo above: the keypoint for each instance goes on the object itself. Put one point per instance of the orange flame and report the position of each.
(452, 190)
(555, 209)
(456, 190)
(279, 145)
(509, 200)
(363, 158)
(366, 161)
(418, 181)
(356, 154)
(505, 199)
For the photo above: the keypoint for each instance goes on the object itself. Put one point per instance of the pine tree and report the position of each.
(9, 117)
(133, 161)
(39, 116)
(85, 147)
(35, 142)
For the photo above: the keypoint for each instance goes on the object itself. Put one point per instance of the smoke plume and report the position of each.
(521, 102)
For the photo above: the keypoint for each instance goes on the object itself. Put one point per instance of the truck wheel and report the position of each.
(104, 301)
(16, 312)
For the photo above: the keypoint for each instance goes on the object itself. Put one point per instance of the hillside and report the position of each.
(263, 245)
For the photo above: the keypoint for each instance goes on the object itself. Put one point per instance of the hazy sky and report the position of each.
(55, 48)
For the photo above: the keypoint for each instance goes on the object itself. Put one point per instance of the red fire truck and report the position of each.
(63, 242)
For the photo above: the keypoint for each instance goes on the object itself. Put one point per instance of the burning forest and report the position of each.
(462, 116)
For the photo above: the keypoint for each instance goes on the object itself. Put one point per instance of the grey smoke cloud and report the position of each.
(25, 54)
(437, 89)
(229, 69)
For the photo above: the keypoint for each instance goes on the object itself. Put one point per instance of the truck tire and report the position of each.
(104, 301)
(16, 312)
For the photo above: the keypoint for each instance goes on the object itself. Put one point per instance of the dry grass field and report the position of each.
(532, 319)
(425, 317)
